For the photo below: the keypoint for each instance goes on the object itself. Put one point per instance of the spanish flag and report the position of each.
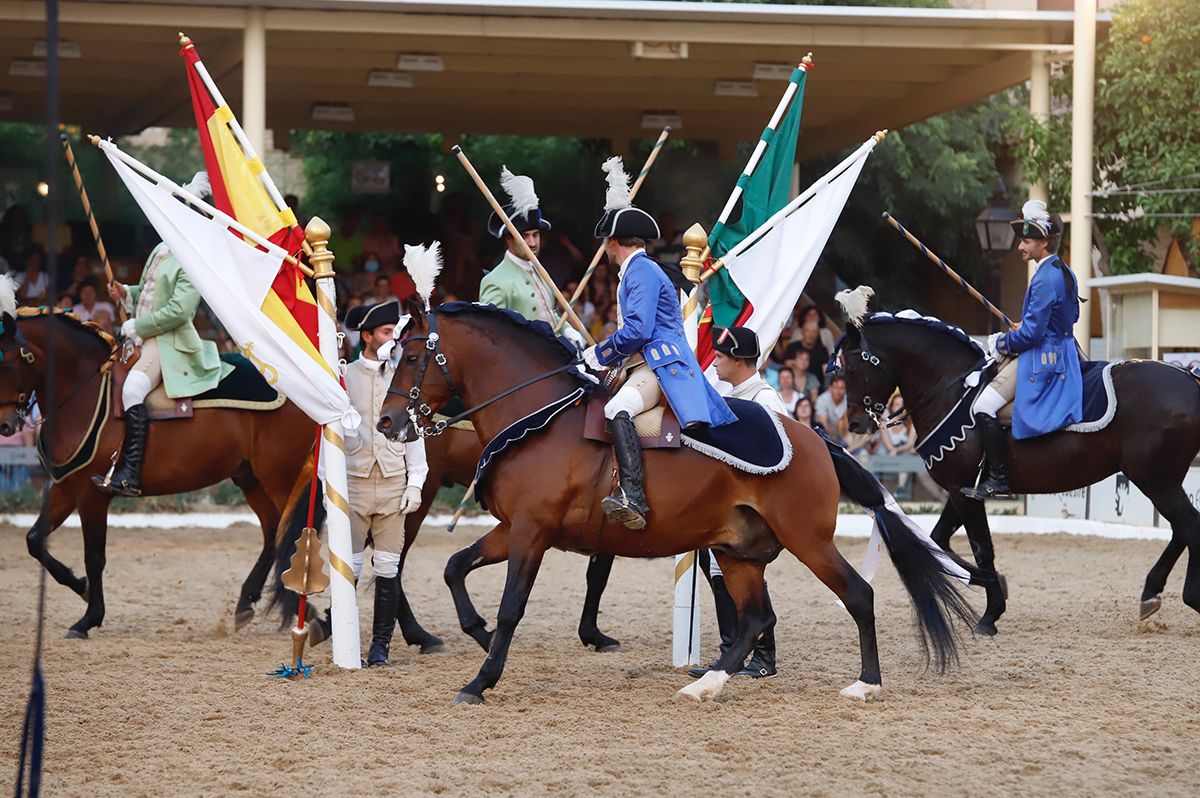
(239, 190)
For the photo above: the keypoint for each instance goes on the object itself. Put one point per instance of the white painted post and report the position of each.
(1083, 92)
(254, 78)
(1039, 108)
(685, 633)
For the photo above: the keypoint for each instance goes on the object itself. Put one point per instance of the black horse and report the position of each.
(1153, 438)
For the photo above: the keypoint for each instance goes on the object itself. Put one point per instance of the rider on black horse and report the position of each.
(1044, 377)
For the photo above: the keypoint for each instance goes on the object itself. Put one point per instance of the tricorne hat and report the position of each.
(368, 317)
(623, 219)
(523, 210)
(1036, 222)
(739, 342)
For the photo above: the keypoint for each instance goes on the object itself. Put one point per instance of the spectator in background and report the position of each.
(383, 242)
(561, 258)
(33, 285)
(80, 272)
(813, 314)
(346, 243)
(16, 236)
(610, 322)
(363, 279)
(583, 306)
(459, 233)
(669, 249)
(809, 340)
(787, 389)
(806, 381)
(105, 321)
(382, 291)
(90, 303)
(831, 410)
(901, 438)
(803, 412)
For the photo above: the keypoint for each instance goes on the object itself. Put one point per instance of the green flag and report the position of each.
(765, 192)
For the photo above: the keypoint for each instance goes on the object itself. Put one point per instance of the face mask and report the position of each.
(371, 266)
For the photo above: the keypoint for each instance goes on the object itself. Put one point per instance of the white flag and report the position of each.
(772, 265)
(234, 277)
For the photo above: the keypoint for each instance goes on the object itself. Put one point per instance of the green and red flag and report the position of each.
(764, 190)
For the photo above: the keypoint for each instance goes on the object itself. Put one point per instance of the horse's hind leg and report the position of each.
(744, 581)
(523, 565)
(269, 514)
(599, 568)
(56, 507)
(93, 516)
(947, 524)
(974, 518)
(1156, 579)
(489, 549)
(1173, 503)
(412, 631)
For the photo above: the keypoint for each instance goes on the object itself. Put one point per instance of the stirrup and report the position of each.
(980, 492)
(620, 510)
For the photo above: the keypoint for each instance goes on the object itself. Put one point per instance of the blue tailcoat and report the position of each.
(1049, 384)
(651, 322)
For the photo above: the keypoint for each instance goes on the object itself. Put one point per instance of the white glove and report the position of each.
(200, 185)
(574, 336)
(992, 352)
(590, 358)
(129, 331)
(411, 500)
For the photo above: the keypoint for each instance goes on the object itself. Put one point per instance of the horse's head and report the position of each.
(421, 384)
(869, 381)
(17, 375)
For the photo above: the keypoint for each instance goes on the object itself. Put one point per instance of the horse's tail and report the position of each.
(295, 519)
(928, 572)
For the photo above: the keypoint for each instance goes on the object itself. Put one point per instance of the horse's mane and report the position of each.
(912, 318)
(537, 330)
(68, 316)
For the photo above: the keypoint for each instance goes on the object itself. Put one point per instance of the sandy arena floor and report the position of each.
(1073, 697)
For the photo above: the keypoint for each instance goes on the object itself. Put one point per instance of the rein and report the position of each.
(25, 396)
(433, 351)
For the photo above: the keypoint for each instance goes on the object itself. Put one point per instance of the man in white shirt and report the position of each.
(737, 364)
(90, 304)
(384, 478)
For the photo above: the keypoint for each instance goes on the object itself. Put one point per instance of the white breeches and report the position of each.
(144, 377)
(639, 393)
(713, 568)
(999, 392)
(386, 563)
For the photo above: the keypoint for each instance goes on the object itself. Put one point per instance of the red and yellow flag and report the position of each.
(238, 191)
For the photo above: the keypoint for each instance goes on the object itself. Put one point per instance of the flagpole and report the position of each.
(264, 177)
(343, 599)
(91, 217)
(195, 201)
(512, 230)
(637, 184)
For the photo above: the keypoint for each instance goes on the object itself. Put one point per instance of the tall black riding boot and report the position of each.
(726, 621)
(628, 504)
(762, 663)
(387, 604)
(995, 460)
(127, 479)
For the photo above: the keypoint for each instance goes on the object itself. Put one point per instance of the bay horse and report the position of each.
(265, 452)
(546, 492)
(1153, 438)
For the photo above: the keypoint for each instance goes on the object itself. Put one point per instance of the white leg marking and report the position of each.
(861, 691)
(707, 687)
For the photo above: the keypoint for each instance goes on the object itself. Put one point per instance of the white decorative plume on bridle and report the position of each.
(854, 303)
(1036, 214)
(8, 295)
(520, 190)
(423, 264)
(617, 196)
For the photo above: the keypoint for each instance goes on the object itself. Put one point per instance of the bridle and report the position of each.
(420, 413)
(25, 388)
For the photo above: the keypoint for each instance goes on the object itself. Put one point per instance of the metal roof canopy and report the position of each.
(537, 67)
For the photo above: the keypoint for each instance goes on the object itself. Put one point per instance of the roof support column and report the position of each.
(254, 78)
(1039, 109)
(1083, 92)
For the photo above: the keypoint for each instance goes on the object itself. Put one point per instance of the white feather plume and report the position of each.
(1035, 213)
(8, 295)
(617, 195)
(854, 303)
(423, 264)
(520, 190)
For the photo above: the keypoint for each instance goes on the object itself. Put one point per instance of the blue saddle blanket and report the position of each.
(756, 443)
(1099, 407)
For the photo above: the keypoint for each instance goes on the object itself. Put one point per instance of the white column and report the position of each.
(254, 78)
(1082, 106)
(347, 652)
(685, 631)
(1039, 109)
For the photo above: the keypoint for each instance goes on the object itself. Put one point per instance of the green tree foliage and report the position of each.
(1147, 129)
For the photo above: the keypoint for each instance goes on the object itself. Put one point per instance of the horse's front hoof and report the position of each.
(463, 697)
(706, 688)
(1149, 607)
(985, 628)
(861, 691)
(75, 634)
(434, 646)
(242, 617)
(610, 648)
(602, 643)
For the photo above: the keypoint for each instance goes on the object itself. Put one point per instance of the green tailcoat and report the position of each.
(510, 286)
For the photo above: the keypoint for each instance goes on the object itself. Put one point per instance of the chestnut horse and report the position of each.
(1153, 437)
(546, 492)
(263, 452)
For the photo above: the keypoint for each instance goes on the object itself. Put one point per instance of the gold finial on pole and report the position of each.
(317, 233)
(184, 41)
(880, 136)
(694, 240)
(807, 60)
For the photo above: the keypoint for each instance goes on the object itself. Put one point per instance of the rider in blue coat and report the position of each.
(650, 327)
(1044, 378)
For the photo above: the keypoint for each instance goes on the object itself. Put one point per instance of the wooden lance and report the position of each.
(69, 153)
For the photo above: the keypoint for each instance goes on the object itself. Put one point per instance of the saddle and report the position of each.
(657, 427)
(243, 388)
